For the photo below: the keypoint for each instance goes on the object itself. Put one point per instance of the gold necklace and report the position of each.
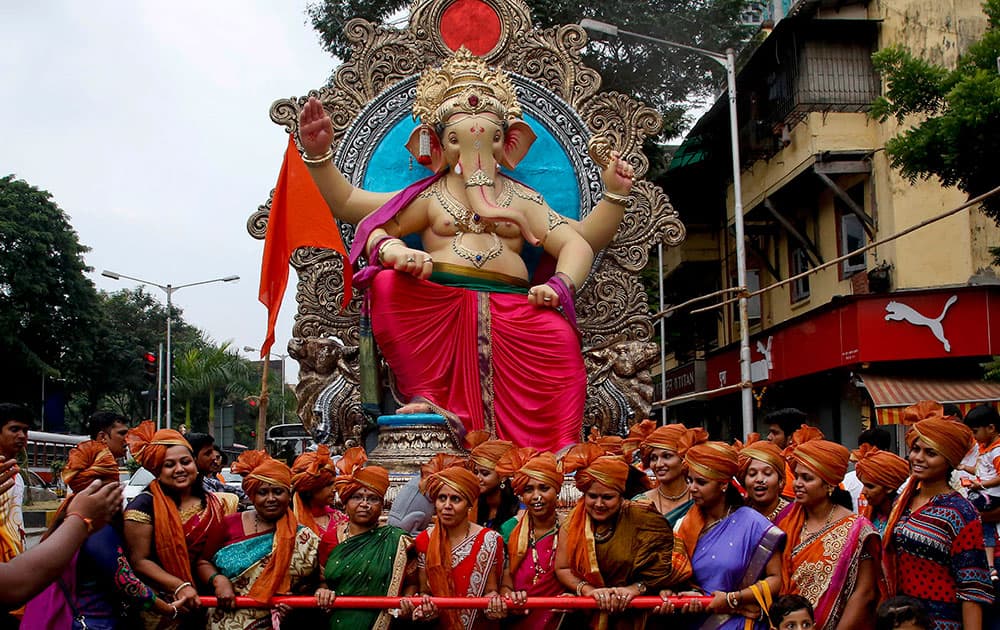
(809, 533)
(465, 219)
(717, 521)
(539, 569)
(669, 497)
(477, 257)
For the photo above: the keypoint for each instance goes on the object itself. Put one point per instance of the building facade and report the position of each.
(852, 343)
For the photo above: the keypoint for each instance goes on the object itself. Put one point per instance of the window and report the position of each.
(799, 263)
(852, 232)
(852, 238)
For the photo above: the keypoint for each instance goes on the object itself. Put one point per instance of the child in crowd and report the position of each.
(902, 613)
(791, 612)
(984, 488)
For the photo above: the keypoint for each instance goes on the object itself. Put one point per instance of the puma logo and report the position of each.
(899, 312)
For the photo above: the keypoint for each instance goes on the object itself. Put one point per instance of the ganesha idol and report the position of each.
(465, 331)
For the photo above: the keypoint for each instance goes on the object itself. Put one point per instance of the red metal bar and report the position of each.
(349, 601)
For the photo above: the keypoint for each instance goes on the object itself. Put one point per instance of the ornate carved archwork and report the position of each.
(374, 90)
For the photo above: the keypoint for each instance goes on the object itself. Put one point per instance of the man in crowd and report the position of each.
(205, 458)
(15, 421)
(110, 429)
(782, 423)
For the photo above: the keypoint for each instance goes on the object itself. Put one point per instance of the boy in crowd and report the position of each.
(15, 421)
(984, 487)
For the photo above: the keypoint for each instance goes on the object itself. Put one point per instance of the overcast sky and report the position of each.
(148, 123)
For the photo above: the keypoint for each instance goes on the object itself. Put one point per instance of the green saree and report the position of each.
(372, 563)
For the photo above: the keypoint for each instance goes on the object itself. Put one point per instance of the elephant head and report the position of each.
(470, 124)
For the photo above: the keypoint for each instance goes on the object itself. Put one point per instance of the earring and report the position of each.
(503, 484)
(424, 146)
(829, 491)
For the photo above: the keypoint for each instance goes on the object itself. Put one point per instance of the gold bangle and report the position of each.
(618, 200)
(387, 242)
(318, 161)
(580, 586)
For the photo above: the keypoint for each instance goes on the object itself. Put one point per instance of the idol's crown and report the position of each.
(464, 84)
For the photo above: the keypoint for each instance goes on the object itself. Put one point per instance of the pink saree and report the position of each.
(493, 360)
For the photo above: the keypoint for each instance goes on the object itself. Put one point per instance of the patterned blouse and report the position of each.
(941, 560)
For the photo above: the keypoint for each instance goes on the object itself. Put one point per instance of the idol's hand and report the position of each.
(618, 175)
(315, 128)
(543, 295)
(417, 263)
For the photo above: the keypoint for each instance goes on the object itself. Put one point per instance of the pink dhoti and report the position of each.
(492, 359)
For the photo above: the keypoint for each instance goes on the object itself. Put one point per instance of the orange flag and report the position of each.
(299, 217)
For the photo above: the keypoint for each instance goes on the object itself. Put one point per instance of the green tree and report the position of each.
(958, 136)
(48, 307)
(665, 78)
(210, 372)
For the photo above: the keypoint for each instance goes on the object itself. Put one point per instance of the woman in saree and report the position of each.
(612, 549)
(361, 557)
(261, 552)
(658, 450)
(762, 473)
(532, 536)
(934, 539)
(168, 524)
(99, 586)
(735, 551)
(312, 484)
(456, 557)
(831, 554)
(497, 501)
(881, 474)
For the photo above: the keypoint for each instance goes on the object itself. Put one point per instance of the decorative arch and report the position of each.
(370, 102)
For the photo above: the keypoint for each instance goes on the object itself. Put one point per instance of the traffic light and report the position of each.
(149, 366)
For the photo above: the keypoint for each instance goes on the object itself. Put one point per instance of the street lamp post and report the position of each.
(169, 289)
(728, 61)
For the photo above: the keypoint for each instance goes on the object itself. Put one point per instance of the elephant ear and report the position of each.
(435, 161)
(517, 141)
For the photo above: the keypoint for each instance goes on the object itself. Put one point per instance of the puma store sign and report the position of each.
(901, 326)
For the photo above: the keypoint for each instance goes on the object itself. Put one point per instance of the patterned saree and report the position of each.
(243, 560)
(824, 568)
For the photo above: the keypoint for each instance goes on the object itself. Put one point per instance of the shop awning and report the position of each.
(891, 394)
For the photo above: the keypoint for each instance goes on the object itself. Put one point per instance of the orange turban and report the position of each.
(88, 461)
(826, 459)
(762, 451)
(258, 468)
(636, 434)
(451, 471)
(487, 454)
(475, 438)
(921, 411)
(354, 475)
(312, 471)
(717, 461)
(591, 464)
(525, 464)
(950, 438)
(880, 467)
(149, 446)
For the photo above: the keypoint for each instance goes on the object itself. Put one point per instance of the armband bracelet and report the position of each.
(374, 252)
(179, 587)
(387, 243)
(618, 200)
(211, 579)
(317, 162)
(580, 586)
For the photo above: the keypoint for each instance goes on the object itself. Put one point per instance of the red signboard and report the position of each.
(901, 326)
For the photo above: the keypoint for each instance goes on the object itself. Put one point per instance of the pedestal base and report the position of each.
(406, 441)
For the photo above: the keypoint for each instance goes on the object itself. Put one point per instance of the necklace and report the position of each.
(465, 219)
(539, 569)
(809, 534)
(716, 521)
(670, 497)
(477, 257)
(777, 509)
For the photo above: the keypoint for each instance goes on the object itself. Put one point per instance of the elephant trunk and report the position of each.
(482, 198)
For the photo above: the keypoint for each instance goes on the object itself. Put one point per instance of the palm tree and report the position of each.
(209, 371)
